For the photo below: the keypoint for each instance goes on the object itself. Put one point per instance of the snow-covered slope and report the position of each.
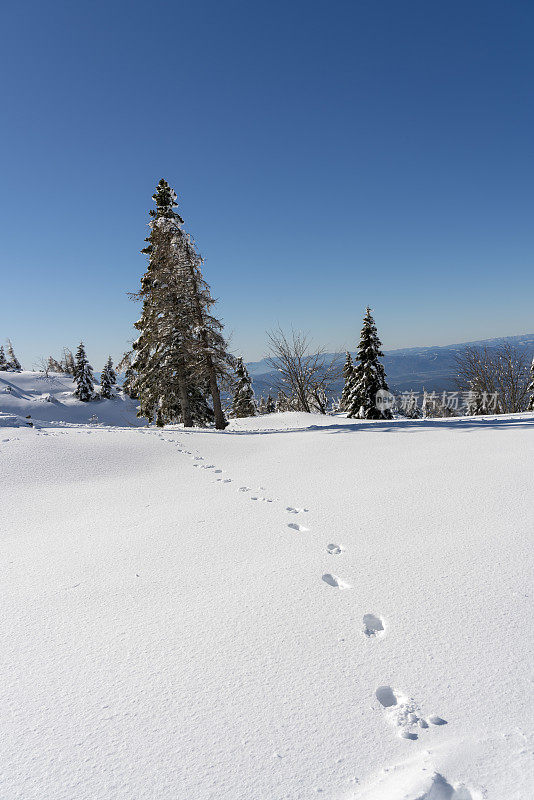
(294, 608)
(50, 399)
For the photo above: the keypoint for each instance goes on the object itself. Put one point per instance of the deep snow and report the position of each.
(297, 607)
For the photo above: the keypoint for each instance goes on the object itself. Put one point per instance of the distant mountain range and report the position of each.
(409, 368)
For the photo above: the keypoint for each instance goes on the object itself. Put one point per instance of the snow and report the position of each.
(50, 400)
(296, 607)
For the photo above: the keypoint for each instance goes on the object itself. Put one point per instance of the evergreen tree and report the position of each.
(68, 363)
(281, 402)
(530, 388)
(54, 365)
(106, 384)
(369, 375)
(348, 376)
(14, 363)
(111, 372)
(262, 406)
(243, 402)
(84, 376)
(180, 348)
(270, 406)
(3, 362)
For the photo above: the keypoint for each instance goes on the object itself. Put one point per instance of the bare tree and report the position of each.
(500, 371)
(305, 376)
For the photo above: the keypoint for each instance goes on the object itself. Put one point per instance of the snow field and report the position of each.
(338, 611)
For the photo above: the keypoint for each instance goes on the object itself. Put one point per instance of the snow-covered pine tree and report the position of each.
(530, 387)
(369, 375)
(348, 385)
(281, 402)
(243, 401)
(262, 406)
(111, 372)
(180, 348)
(84, 376)
(13, 362)
(3, 361)
(68, 363)
(106, 384)
(54, 365)
(270, 406)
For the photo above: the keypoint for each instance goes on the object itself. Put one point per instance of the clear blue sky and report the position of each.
(326, 156)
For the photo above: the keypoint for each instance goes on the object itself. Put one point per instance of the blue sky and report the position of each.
(326, 157)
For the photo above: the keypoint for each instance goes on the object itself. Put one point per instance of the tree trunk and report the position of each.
(187, 419)
(220, 419)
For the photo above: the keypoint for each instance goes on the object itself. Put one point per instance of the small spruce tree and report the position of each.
(106, 384)
(3, 361)
(243, 402)
(262, 406)
(14, 363)
(270, 406)
(111, 372)
(281, 402)
(530, 388)
(348, 376)
(84, 376)
(369, 376)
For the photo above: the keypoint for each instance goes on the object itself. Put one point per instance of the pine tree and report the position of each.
(348, 376)
(281, 402)
(84, 376)
(14, 363)
(530, 387)
(262, 406)
(3, 361)
(68, 363)
(180, 348)
(106, 384)
(369, 375)
(54, 365)
(111, 372)
(270, 406)
(243, 402)
(128, 387)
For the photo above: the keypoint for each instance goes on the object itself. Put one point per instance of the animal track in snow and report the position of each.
(402, 712)
(296, 527)
(337, 583)
(296, 510)
(334, 549)
(372, 625)
(244, 489)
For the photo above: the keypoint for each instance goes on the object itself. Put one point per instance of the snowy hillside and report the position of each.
(297, 607)
(50, 399)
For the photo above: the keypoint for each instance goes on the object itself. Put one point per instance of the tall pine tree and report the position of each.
(3, 361)
(243, 401)
(369, 375)
(84, 376)
(111, 372)
(348, 376)
(180, 349)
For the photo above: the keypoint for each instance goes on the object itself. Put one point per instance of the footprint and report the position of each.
(403, 713)
(296, 510)
(435, 720)
(294, 526)
(333, 580)
(244, 489)
(386, 696)
(372, 625)
(334, 549)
